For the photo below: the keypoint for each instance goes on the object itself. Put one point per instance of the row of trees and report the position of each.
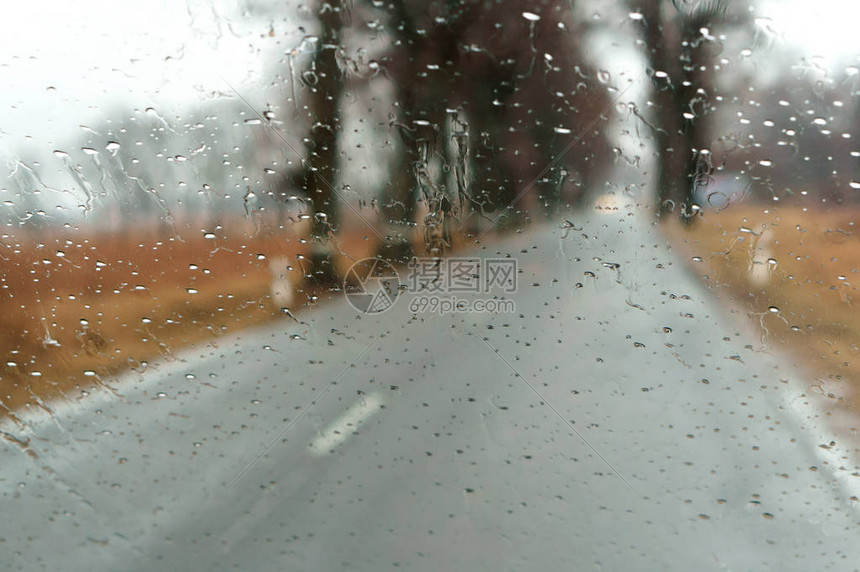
(485, 97)
(489, 113)
(498, 113)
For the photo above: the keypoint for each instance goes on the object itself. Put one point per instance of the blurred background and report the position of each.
(174, 171)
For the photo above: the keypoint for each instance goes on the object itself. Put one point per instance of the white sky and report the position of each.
(167, 53)
(63, 63)
(826, 28)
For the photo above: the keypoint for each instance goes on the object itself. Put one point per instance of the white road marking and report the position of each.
(346, 425)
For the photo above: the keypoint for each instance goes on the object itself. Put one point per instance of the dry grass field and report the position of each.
(795, 272)
(78, 306)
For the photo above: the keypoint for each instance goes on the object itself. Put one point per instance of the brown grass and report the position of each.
(795, 271)
(78, 306)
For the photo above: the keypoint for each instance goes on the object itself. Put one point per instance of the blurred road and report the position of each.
(453, 442)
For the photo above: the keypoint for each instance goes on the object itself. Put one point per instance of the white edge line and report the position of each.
(346, 425)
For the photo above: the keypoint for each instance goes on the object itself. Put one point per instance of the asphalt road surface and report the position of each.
(619, 418)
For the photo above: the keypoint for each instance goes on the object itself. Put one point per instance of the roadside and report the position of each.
(794, 272)
(82, 306)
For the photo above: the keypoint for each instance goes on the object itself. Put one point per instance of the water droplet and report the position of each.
(773, 309)
(765, 163)
(89, 151)
(191, 290)
(819, 121)
(310, 77)
(112, 146)
(531, 17)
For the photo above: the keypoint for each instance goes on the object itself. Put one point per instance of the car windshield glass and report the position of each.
(426, 284)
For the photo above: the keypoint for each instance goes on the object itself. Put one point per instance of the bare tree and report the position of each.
(324, 85)
(681, 47)
(495, 94)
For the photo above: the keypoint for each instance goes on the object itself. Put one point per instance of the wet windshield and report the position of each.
(466, 284)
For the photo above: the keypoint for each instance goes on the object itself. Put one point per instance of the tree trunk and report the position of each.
(682, 73)
(320, 175)
(325, 83)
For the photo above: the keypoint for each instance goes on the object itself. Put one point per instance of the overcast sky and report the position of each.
(64, 63)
